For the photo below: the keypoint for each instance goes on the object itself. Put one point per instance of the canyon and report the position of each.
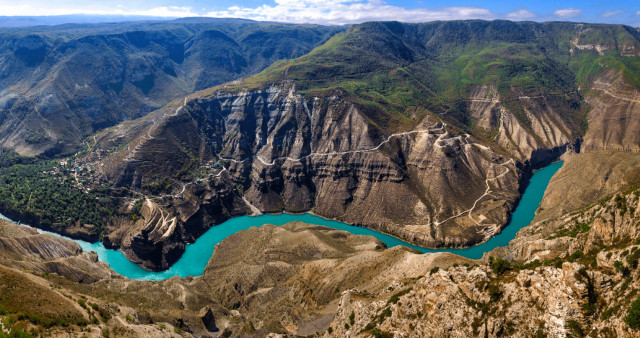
(427, 132)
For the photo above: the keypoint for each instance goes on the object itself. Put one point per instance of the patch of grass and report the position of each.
(23, 299)
(633, 315)
(384, 314)
(607, 313)
(396, 297)
(573, 232)
(499, 265)
(377, 333)
(575, 328)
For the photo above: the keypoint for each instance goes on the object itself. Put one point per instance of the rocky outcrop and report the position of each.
(26, 244)
(586, 178)
(23, 247)
(610, 222)
(462, 302)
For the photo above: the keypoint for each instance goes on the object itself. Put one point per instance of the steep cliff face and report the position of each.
(538, 134)
(586, 178)
(605, 224)
(614, 118)
(277, 150)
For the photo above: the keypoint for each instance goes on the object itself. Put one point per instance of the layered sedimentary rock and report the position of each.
(442, 166)
(277, 150)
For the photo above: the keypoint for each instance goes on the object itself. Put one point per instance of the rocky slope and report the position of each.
(263, 280)
(613, 119)
(574, 275)
(303, 280)
(60, 84)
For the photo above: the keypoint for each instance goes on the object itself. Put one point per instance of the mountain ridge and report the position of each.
(50, 102)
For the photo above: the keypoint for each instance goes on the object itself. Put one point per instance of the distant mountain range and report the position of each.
(29, 21)
(59, 84)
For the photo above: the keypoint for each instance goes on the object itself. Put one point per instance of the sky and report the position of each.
(342, 11)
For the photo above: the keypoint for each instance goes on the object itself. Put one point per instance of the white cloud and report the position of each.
(348, 11)
(26, 9)
(521, 15)
(608, 14)
(568, 12)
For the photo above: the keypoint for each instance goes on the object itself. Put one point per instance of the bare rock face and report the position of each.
(154, 244)
(23, 247)
(25, 243)
(275, 150)
(615, 115)
(545, 136)
(586, 178)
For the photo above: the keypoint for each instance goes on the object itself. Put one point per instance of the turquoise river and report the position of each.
(197, 254)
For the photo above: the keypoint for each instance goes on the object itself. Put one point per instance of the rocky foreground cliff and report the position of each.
(571, 275)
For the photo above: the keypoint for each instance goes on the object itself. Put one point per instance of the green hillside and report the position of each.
(395, 69)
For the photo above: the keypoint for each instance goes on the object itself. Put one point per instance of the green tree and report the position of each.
(633, 315)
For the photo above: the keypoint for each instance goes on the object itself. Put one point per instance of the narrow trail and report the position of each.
(486, 193)
(255, 211)
(184, 187)
(338, 153)
(437, 143)
(154, 120)
(612, 94)
(148, 136)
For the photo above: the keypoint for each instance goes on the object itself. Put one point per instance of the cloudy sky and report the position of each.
(342, 11)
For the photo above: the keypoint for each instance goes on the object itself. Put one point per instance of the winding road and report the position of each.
(338, 153)
(437, 143)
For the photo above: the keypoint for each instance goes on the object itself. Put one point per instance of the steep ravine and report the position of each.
(278, 150)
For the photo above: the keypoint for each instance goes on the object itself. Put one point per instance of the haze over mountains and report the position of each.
(30, 21)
